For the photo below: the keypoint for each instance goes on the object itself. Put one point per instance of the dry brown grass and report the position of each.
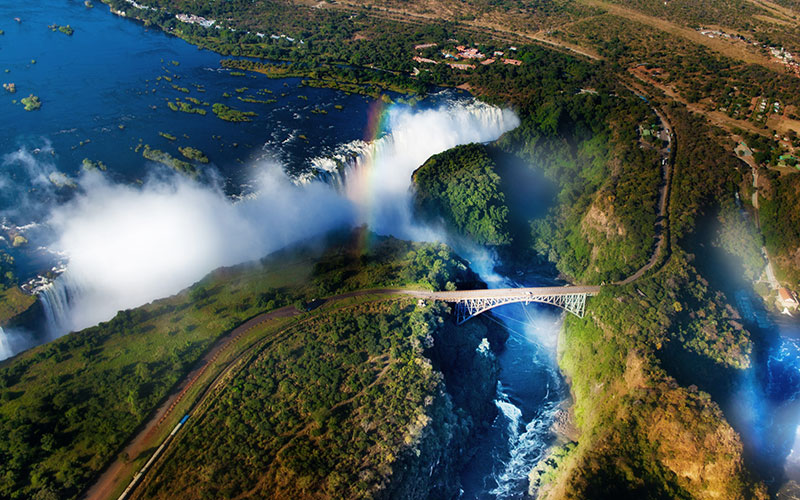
(776, 10)
(737, 51)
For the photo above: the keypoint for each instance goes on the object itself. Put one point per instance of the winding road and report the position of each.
(111, 478)
(662, 229)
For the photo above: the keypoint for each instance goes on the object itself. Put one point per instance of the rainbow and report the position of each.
(377, 126)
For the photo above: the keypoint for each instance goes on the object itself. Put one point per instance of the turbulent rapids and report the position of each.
(373, 178)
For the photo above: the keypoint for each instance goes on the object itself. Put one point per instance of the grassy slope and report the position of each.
(593, 467)
(335, 408)
(14, 303)
(69, 405)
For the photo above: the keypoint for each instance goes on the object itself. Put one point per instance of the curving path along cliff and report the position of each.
(116, 472)
(662, 223)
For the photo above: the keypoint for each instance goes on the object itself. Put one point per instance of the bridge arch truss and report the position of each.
(467, 308)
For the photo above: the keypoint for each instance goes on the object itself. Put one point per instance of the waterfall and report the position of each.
(6, 350)
(57, 299)
(12, 342)
(129, 246)
(376, 175)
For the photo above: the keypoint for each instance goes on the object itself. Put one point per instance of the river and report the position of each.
(762, 403)
(104, 93)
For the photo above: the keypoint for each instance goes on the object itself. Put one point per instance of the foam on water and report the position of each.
(528, 394)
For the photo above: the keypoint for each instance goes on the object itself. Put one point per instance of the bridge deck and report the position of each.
(501, 293)
(470, 303)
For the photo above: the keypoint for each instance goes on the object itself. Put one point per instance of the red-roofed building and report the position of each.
(461, 66)
(424, 60)
(514, 62)
(787, 298)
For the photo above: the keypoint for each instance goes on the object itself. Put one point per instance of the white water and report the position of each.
(528, 396)
(509, 412)
(57, 299)
(527, 445)
(376, 176)
(12, 342)
(127, 246)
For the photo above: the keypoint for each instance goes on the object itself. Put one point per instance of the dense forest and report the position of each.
(461, 187)
(780, 221)
(342, 406)
(664, 340)
(603, 225)
(643, 364)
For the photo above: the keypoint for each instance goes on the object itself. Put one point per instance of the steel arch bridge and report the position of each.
(470, 303)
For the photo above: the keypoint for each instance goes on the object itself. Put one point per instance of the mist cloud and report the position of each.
(27, 181)
(130, 245)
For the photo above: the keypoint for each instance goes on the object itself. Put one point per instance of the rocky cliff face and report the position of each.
(642, 435)
(429, 467)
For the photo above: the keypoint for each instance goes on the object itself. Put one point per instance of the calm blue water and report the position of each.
(104, 93)
(110, 74)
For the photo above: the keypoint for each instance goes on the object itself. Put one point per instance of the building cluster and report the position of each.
(786, 58)
(463, 52)
(461, 66)
(278, 37)
(725, 36)
(779, 54)
(140, 6)
(469, 53)
(192, 19)
(787, 299)
(424, 60)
